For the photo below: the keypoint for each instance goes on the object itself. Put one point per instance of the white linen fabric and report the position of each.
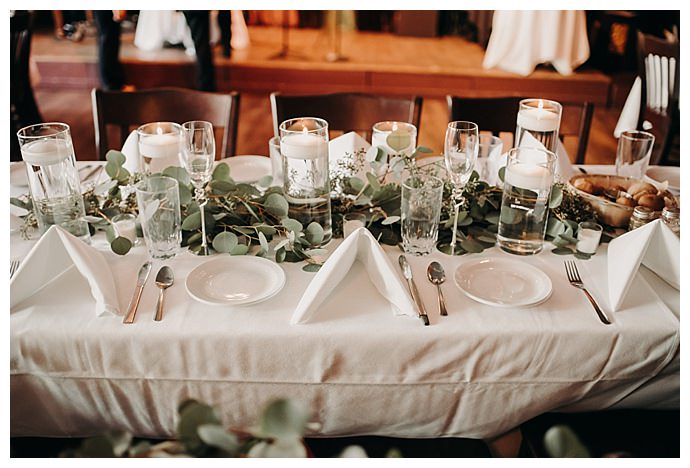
(131, 151)
(359, 246)
(521, 40)
(51, 263)
(342, 155)
(653, 245)
(476, 373)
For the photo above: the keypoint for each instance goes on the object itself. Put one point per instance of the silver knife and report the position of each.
(134, 303)
(407, 273)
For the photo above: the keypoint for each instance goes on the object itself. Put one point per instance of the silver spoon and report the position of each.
(437, 276)
(164, 279)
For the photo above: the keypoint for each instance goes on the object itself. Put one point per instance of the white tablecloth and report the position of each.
(521, 40)
(476, 373)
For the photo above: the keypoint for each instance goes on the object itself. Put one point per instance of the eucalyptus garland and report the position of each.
(242, 219)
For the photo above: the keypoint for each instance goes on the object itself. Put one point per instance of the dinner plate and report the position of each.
(18, 175)
(248, 168)
(503, 282)
(661, 174)
(235, 280)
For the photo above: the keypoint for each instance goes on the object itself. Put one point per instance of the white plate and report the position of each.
(502, 282)
(235, 280)
(661, 174)
(18, 175)
(249, 168)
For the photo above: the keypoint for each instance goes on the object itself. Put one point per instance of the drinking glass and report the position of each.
(306, 184)
(633, 153)
(420, 210)
(125, 225)
(489, 146)
(197, 156)
(540, 120)
(460, 155)
(48, 155)
(159, 146)
(276, 161)
(405, 132)
(158, 199)
(525, 205)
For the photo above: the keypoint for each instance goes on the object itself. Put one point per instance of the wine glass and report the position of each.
(197, 155)
(460, 154)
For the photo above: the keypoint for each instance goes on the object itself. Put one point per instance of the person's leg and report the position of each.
(224, 23)
(110, 68)
(198, 21)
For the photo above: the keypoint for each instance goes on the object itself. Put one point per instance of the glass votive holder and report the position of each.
(125, 225)
(588, 237)
(352, 222)
(404, 138)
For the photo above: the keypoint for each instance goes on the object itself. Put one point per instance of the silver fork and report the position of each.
(575, 280)
(14, 265)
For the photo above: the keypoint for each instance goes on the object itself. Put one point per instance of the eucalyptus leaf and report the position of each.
(177, 173)
(373, 181)
(283, 419)
(185, 194)
(215, 436)
(292, 225)
(240, 249)
(104, 187)
(221, 172)
(262, 241)
(356, 184)
(277, 205)
(398, 140)
(568, 238)
(492, 218)
(583, 256)
(471, 245)
(121, 245)
(192, 415)
(97, 447)
(373, 153)
(314, 233)
(555, 197)
(116, 157)
(192, 222)
(266, 230)
(390, 220)
(280, 255)
(363, 200)
(265, 181)
(225, 242)
(311, 268)
(554, 227)
(502, 174)
(221, 187)
(562, 251)
(424, 149)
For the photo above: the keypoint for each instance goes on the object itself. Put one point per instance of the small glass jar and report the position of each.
(641, 215)
(671, 217)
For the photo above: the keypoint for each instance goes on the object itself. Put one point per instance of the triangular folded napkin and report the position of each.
(564, 169)
(653, 245)
(56, 252)
(360, 245)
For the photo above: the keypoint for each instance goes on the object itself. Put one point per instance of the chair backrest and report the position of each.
(499, 115)
(347, 112)
(23, 108)
(659, 68)
(128, 110)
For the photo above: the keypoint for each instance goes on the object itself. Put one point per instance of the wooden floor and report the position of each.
(64, 72)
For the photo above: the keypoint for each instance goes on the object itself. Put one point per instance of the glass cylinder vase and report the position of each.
(540, 120)
(527, 184)
(306, 184)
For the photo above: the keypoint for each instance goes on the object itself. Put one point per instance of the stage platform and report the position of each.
(374, 62)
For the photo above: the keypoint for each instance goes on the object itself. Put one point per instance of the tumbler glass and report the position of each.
(420, 210)
(633, 153)
(158, 199)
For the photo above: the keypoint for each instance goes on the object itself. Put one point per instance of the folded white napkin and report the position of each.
(495, 161)
(131, 151)
(564, 169)
(360, 245)
(653, 245)
(56, 252)
(341, 154)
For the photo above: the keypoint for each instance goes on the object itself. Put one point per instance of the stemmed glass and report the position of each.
(197, 155)
(460, 154)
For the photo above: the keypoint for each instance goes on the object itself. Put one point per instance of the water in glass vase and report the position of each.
(522, 222)
(67, 212)
(311, 210)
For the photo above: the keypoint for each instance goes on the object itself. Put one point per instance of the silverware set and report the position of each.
(164, 279)
(436, 276)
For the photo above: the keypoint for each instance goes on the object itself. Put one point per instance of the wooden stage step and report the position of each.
(376, 63)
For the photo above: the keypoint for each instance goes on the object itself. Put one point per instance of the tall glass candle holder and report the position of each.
(538, 119)
(306, 184)
(159, 146)
(525, 205)
(403, 139)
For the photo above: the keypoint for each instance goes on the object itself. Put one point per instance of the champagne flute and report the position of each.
(197, 156)
(460, 154)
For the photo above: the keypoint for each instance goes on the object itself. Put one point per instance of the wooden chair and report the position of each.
(23, 108)
(128, 110)
(498, 115)
(347, 112)
(659, 70)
